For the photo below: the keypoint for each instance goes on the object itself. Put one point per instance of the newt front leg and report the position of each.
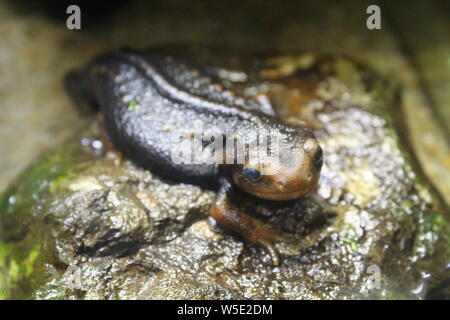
(231, 217)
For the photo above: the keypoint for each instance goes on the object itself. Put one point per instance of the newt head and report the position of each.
(291, 174)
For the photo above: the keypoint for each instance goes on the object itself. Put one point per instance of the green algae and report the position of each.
(26, 244)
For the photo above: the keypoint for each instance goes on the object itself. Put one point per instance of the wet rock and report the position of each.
(84, 223)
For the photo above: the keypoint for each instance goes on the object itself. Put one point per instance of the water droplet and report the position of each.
(12, 200)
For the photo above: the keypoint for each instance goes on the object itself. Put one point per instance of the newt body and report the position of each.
(150, 100)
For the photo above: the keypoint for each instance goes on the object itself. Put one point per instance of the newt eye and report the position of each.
(252, 173)
(318, 158)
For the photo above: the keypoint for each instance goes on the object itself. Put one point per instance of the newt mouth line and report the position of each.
(279, 195)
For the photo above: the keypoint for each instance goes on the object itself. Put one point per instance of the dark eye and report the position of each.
(318, 158)
(252, 173)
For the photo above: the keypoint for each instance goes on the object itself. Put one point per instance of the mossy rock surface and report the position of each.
(82, 223)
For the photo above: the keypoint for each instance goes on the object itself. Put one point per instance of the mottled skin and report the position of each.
(148, 100)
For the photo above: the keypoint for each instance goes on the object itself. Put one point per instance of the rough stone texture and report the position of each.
(82, 223)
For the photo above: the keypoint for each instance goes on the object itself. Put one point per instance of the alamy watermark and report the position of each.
(205, 144)
(373, 22)
(73, 21)
(374, 280)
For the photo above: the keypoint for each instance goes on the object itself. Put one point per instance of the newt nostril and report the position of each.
(318, 158)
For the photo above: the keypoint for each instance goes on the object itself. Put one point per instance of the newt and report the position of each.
(148, 99)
